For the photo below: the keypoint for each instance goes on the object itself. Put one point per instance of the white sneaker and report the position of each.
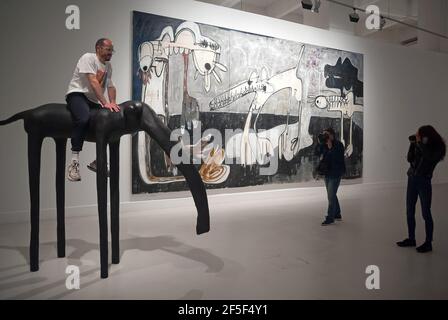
(73, 171)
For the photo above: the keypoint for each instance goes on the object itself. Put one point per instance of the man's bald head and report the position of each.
(102, 42)
(104, 49)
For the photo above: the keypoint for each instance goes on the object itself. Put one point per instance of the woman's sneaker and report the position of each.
(73, 171)
(406, 243)
(426, 247)
(327, 222)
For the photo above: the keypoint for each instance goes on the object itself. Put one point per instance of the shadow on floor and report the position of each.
(169, 244)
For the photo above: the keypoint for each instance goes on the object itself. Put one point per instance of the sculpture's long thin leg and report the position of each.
(34, 155)
(60, 194)
(114, 151)
(101, 186)
(161, 133)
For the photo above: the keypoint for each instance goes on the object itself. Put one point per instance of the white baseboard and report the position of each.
(167, 200)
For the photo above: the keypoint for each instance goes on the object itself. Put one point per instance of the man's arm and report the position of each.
(112, 92)
(96, 86)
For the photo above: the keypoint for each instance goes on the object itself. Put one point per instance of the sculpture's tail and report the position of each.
(18, 116)
(161, 134)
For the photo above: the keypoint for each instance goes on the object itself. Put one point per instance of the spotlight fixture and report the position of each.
(354, 16)
(316, 6)
(382, 23)
(307, 4)
(383, 20)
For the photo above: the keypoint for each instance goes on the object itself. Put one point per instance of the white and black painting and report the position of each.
(256, 99)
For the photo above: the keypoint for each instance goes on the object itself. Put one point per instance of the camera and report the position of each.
(412, 138)
(354, 16)
(323, 137)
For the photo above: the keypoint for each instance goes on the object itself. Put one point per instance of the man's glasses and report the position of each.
(109, 49)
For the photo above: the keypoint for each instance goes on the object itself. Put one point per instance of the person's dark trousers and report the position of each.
(332, 185)
(419, 187)
(79, 106)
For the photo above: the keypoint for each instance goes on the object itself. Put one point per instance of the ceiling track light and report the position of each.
(354, 16)
(307, 4)
(312, 5)
(316, 6)
(382, 22)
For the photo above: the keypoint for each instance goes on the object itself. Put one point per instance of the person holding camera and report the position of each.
(332, 166)
(427, 148)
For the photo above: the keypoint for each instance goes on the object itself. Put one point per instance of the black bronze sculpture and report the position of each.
(54, 120)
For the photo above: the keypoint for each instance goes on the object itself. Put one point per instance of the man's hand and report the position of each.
(418, 137)
(112, 107)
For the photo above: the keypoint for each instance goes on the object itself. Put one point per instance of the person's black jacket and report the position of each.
(423, 160)
(333, 157)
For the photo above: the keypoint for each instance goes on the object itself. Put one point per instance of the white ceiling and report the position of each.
(394, 7)
(337, 15)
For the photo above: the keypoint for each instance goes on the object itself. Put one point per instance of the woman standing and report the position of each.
(427, 149)
(332, 153)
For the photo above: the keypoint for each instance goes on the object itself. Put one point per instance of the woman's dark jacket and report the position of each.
(423, 159)
(334, 158)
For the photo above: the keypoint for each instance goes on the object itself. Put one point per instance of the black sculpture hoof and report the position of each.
(200, 229)
(34, 268)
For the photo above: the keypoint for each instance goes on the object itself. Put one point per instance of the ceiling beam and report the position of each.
(397, 8)
(387, 17)
(281, 8)
(229, 3)
(364, 3)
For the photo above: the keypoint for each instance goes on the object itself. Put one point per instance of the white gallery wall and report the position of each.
(403, 87)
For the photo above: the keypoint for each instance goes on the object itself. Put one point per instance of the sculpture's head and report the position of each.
(132, 113)
(144, 118)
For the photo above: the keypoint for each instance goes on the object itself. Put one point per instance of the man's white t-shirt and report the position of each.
(89, 63)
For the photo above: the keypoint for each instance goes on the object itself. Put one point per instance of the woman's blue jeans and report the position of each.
(332, 185)
(419, 187)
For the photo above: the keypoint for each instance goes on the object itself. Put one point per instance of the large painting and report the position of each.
(249, 107)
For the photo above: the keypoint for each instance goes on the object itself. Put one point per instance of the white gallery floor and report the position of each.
(262, 245)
